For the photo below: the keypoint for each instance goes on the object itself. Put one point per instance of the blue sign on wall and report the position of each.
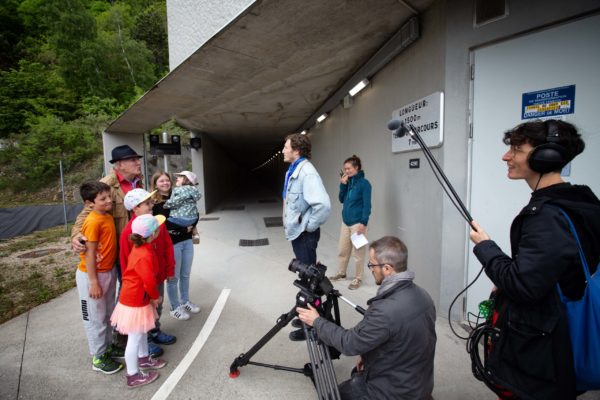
(548, 102)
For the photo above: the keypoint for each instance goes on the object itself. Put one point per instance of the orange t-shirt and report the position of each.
(100, 228)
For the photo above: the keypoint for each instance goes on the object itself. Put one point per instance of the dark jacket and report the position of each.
(356, 197)
(176, 232)
(533, 356)
(396, 340)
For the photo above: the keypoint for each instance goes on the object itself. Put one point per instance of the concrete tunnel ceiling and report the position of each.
(268, 71)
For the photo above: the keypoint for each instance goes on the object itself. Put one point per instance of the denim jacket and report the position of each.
(306, 205)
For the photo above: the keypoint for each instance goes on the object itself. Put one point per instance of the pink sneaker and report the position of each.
(141, 379)
(151, 363)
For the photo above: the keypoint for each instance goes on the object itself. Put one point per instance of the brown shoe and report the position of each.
(355, 284)
(337, 277)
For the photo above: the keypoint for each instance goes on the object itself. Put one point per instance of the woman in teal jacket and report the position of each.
(355, 195)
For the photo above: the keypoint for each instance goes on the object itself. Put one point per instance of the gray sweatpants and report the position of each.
(96, 312)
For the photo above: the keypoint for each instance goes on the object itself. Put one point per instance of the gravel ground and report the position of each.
(33, 270)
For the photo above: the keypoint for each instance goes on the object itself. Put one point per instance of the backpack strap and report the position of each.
(584, 264)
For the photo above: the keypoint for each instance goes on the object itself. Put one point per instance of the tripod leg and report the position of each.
(322, 367)
(316, 369)
(329, 371)
(244, 358)
(326, 368)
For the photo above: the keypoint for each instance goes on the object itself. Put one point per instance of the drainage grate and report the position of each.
(267, 201)
(271, 222)
(252, 243)
(233, 208)
(209, 219)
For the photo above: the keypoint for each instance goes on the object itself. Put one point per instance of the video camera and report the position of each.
(311, 281)
(313, 284)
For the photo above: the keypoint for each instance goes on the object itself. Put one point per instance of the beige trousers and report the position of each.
(346, 249)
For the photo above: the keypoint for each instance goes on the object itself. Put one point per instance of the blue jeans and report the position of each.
(305, 246)
(183, 221)
(180, 284)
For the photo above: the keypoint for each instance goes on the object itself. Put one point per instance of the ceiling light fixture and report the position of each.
(322, 118)
(358, 87)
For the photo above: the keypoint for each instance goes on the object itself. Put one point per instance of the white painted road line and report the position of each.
(168, 386)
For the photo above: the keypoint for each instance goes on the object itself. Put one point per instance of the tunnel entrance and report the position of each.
(238, 172)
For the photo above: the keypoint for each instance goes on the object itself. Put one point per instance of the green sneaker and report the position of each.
(105, 364)
(115, 351)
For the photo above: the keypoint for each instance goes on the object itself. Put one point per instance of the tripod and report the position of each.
(320, 369)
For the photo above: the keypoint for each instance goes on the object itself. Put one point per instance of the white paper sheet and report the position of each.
(358, 240)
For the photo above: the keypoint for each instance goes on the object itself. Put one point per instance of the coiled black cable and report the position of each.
(480, 372)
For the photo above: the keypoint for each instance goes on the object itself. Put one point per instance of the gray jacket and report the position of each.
(307, 205)
(396, 340)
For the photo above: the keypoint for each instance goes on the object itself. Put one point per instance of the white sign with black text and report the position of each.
(427, 116)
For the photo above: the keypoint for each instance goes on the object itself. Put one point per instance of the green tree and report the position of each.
(31, 90)
(11, 34)
(151, 27)
(67, 68)
(127, 63)
(49, 141)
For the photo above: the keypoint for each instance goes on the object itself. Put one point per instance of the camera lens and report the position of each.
(297, 266)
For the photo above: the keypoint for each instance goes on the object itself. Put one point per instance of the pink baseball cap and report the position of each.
(146, 224)
(190, 175)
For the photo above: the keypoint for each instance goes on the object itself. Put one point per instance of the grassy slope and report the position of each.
(50, 192)
(28, 282)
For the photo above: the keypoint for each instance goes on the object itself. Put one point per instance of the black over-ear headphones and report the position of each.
(549, 156)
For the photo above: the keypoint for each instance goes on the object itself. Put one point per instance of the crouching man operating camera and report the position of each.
(395, 340)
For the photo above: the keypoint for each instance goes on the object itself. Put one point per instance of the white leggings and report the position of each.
(137, 346)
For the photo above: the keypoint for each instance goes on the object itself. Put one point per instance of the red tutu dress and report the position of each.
(134, 313)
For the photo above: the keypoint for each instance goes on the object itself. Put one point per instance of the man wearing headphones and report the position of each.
(531, 358)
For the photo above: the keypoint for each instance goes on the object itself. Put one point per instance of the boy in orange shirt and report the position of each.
(96, 278)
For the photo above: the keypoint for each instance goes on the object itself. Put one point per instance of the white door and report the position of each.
(564, 55)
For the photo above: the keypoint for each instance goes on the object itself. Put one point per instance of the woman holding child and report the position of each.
(177, 288)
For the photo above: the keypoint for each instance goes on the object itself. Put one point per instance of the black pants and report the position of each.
(354, 388)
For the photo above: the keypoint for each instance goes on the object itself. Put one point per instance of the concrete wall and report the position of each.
(220, 173)
(197, 157)
(193, 22)
(460, 38)
(406, 202)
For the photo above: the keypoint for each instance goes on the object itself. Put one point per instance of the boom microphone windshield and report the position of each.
(393, 124)
(398, 128)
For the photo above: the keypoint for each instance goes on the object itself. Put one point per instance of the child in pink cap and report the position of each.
(182, 202)
(135, 313)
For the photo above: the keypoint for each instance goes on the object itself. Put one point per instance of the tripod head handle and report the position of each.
(358, 309)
